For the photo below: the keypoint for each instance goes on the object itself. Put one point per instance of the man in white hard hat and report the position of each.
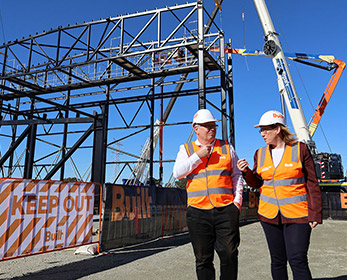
(214, 191)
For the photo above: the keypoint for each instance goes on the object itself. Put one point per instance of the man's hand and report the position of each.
(204, 151)
(237, 205)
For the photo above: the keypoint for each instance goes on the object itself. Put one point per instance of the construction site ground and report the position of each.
(171, 258)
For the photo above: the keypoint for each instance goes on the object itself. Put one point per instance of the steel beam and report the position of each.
(230, 87)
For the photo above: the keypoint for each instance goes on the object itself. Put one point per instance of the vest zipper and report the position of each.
(208, 158)
(273, 177)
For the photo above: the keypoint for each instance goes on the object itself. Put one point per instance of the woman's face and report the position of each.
(270, 134)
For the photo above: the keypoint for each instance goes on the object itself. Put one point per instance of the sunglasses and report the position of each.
(266, 129)
(208, 126)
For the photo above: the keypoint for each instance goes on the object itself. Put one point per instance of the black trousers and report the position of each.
(215, 229)
(288, 242)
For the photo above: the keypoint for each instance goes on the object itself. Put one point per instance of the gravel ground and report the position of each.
(171, 258)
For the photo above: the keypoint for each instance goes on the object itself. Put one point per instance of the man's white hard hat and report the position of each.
(271, 117)
(203, 116)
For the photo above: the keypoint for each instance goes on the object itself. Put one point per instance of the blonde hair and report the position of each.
(286, 135)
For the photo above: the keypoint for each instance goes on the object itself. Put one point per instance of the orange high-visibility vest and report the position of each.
(284, 187)
(209, 185)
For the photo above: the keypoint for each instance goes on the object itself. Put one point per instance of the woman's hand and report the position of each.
(313, 224)
(242, 164)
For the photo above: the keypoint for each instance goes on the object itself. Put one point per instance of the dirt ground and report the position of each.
(171, 258)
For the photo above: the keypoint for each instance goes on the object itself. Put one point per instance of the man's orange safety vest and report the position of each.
(284, 187)
(209, 185)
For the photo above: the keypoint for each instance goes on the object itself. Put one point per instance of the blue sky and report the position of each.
(315, 27)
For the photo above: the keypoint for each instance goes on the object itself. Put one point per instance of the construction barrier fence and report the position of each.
(334, 205)
(249, 207)
(134, 214)
(38, 216)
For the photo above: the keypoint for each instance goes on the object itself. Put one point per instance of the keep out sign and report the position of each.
(38, 216)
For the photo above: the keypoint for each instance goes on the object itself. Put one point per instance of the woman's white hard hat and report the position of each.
(271, 117)
(203, 116)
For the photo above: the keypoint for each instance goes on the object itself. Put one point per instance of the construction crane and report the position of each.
(286, 86)
(138, 174)
(329, 167)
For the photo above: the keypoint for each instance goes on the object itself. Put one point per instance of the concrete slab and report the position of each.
(172, 258)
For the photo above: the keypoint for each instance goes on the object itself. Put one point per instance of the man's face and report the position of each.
(206, 132)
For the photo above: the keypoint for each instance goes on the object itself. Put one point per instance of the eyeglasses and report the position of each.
(208, 126)
(266, 129)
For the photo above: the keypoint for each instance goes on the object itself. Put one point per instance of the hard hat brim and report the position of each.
(259, 125)
(206, 122)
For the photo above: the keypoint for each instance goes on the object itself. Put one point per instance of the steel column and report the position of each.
(161, 137)
(223, 88)
(100, 145)
(201, 46)
(151, 157)
(30, 152)
(231, 97)
(63, 152)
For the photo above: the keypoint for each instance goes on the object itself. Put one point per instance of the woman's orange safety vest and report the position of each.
(209, 185)
(284, 187)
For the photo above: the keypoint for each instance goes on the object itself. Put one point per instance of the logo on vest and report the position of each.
(266, 168)
(222, 157)
(288, 165)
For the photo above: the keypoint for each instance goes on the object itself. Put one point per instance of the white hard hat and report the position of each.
(203, 116)
(271, 117)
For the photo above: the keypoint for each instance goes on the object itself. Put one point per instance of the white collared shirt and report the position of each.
(277, 155)
(184, 165)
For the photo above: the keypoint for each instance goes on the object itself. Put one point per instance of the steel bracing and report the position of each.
(69, 95)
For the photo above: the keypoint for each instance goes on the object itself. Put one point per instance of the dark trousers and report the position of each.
(215, 229)
(288, 242)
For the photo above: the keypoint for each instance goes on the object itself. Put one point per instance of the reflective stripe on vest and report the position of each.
(283, 201)
(284, 187)
(210, 183)
(210, 191)
(284, 182)
(209, 173)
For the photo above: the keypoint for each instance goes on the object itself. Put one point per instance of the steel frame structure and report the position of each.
(63, 91)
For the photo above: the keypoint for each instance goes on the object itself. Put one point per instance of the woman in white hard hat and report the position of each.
(290, 204)
(214, 191)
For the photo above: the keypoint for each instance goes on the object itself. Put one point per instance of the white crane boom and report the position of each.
(285, 83)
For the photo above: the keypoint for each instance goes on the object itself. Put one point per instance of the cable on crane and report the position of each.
(244, 30)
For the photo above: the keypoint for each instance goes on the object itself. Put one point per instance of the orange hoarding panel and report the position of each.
(343, 197)
(38, 216)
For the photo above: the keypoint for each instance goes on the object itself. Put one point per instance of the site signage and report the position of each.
(39, 216)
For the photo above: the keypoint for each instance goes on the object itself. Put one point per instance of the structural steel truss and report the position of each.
(73, 96)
